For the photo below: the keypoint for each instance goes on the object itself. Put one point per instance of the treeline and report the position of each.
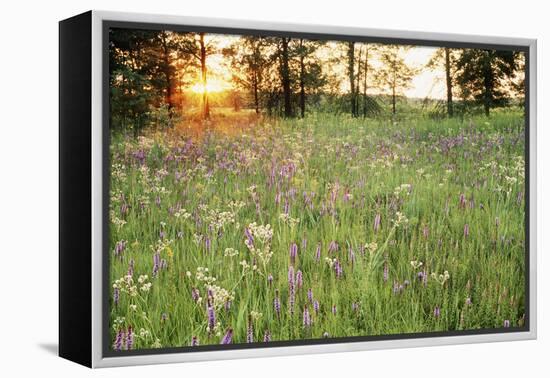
(152, 72)
(489, 78)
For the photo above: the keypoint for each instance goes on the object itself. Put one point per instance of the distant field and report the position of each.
(330, 226)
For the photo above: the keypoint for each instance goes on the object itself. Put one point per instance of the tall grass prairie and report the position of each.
(322, 227)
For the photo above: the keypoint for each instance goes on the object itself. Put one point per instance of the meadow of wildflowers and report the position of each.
(318, 228)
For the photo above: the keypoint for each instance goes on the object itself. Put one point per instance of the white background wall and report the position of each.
(28, 188)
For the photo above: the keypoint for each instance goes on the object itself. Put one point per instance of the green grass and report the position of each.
(359, 163)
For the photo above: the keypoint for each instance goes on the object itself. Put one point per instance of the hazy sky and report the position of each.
(428, 83)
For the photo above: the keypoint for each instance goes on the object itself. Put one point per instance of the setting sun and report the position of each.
(211, 87)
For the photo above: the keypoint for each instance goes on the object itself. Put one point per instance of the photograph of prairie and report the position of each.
(273, 188)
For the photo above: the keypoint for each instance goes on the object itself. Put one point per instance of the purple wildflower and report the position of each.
(308, 199)
(397, 288)
(316, 306)
(290, 276)
(227, 305)
(139, 156)
(120, 246)
(293, 252)
(299, 279)
(156, 258)
(338, 268)
(207, 243)
(195, 294)
(228, 337)
(162, 234)
(437, 312)
(466, 230)
(386, 272)
(334, 309)
(287, 207)
(211, 315)
(129, 339)
(291, 300)
(249, 236)
(267, 336)
(156, 263)
(277, 304)
(318, 253)
(118, 340)
(270, 279)
(306, 317)
(310, 295)
(194, 341)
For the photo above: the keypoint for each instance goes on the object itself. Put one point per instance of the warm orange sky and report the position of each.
(427, 83)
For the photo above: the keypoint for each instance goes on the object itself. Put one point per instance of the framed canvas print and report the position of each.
(236, 189)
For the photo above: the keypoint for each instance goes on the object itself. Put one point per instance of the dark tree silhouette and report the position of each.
(486, 76)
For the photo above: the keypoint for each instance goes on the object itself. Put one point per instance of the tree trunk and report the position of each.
(166, 71)
(487, 103)
(205, 105)
(285, 76)
(351, 73)
(449, 82)
(358, 82)
(256, 98)
(302, 81)
(393, 99)
(487, 84)
(366, 69)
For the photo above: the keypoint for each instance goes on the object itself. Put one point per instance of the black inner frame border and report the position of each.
(105, 289)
